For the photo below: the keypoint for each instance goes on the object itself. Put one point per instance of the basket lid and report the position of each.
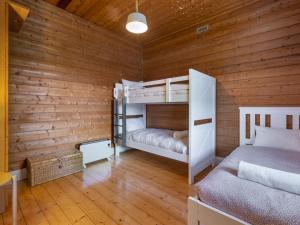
(53, 156)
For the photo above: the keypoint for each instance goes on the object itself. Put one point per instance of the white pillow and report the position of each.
(132, 84)
(135, 124)
(180, 134)
(270, 177)
(277, 138)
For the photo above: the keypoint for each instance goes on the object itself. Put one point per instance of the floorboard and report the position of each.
(135, 189)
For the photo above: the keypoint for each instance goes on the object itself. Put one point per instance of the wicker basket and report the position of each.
(49, 167)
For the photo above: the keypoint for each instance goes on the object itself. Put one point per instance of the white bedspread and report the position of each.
(158, 137)
(250, 201)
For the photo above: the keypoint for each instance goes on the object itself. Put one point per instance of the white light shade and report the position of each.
(137, 23)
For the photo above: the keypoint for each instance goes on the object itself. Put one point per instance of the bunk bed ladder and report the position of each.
(119, 138)
(124, 117)
(116, 121)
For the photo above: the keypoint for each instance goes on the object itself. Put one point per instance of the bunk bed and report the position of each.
(197, 145)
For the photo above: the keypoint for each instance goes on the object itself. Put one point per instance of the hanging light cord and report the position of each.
(137, 5)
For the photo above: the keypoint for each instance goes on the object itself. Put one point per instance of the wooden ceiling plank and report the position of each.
(73, 6)
(164, 18)
(63, 4)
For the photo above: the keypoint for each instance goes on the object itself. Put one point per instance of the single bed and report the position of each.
(250, 201)
(225, 199)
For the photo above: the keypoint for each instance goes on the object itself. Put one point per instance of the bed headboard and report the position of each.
(277, 117)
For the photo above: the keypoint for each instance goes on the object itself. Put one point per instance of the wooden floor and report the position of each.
(136, 188)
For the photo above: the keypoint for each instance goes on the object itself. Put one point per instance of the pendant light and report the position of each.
(136, 22)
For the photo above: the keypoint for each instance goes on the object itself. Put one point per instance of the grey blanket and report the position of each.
(250, 201)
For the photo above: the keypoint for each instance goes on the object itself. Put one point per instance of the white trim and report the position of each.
(286, 110)
(21, 174)
(168, 90)
(163, 81)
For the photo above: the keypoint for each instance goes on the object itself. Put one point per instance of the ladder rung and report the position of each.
(118, 137)
(129, 116)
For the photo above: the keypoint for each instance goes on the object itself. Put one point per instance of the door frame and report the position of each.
(4, 36)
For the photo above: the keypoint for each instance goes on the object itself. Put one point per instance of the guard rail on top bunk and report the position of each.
(167, 82)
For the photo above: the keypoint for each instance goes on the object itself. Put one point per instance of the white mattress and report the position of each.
(159, 138)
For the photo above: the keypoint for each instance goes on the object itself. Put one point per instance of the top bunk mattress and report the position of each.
(250, 201)
(161, 138)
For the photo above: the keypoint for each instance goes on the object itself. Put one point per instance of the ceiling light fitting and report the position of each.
(136, 22)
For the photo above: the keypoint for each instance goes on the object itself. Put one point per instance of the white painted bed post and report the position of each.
(202, 122)
(168, 90)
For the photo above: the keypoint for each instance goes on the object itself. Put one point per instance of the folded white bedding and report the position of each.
(181, 134)
(269, 177)
(161, 138)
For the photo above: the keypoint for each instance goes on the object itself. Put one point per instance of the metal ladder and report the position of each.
(119, 138)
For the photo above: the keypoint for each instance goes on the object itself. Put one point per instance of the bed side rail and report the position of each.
(167, 80)
(200, 213)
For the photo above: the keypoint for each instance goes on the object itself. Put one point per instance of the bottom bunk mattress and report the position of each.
(250, 201)
(161, 138)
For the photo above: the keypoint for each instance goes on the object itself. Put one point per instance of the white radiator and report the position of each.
(96, 150)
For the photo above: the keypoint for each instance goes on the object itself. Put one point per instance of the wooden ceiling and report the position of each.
(164, 16)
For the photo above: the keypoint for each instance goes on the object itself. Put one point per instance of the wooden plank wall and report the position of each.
(62, 71)
(254, 52)
(176, 115)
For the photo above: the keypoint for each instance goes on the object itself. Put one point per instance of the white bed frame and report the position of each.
(201, 98)
(200, 213)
